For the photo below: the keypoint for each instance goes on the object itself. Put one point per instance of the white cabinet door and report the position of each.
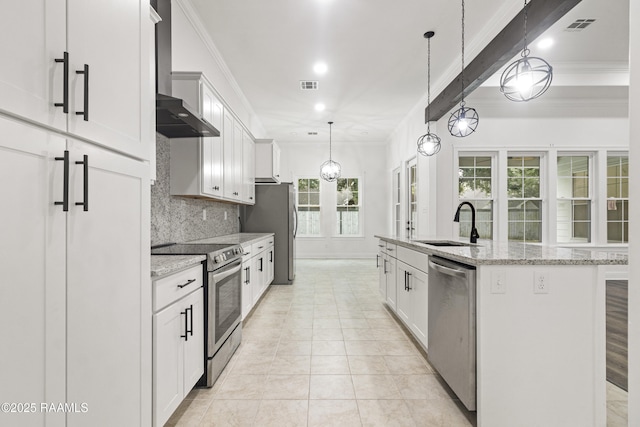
(418, 286)
(229, 171)
(270, 264)
(108, 288)
(392, 290)
(257, 277)
(31, 81)
(212, 150)
(381, 264)
(194, 356)
(248, 169)
(403, 305)
(110, 37)
(32, 271)
(168, 362)
(247, 290)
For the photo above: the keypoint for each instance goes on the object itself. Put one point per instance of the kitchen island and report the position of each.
(540, 330)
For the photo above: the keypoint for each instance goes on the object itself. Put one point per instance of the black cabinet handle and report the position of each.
(65, 183)
(250, 197)
(377, 261)
(249, 274)
(85, 180)
(261, 266)
(191, 317)
(384, 266)
(216, 188)
(65, 83)
(85, 113)
(190, 281)
(408, 281)
(186, 326)
(270, 256)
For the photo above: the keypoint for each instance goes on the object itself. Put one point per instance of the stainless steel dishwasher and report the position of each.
(452, 326)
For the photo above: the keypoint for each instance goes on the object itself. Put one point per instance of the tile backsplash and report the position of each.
(178, 219)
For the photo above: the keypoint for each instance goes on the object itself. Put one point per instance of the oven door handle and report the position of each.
(217, 277)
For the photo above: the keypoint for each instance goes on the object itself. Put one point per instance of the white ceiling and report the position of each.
(377, 56)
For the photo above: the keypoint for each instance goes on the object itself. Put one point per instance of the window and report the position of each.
(524, 200)
(309, 207)
(475, 186)
(348, 206)
(412, 198)
(617, 199)
(574, 199)
(397, 219)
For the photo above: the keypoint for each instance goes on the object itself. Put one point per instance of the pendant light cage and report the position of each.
(528, 77)
(429, 143)
(464, 121)
(330, 170)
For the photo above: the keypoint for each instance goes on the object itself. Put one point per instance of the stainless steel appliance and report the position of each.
(222, 301)
(275, 212)
(452, 326)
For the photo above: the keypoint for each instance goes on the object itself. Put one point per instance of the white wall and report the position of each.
(193, 50)
(366, 161)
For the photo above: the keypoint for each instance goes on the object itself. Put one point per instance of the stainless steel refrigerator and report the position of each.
(275, 212)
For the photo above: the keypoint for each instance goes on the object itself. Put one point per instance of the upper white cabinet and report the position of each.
(232, 141)
(197, 163)
(69, 68)
(268, 161)
(248, 169)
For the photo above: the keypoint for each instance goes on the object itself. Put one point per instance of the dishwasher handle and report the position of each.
(446, 270)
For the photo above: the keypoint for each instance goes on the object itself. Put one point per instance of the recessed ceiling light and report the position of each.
(319, 106)
(320, 68)
(545, 43)
(294, 133)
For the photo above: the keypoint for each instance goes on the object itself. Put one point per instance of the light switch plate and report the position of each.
(540, 282)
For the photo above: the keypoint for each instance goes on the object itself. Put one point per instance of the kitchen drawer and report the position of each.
(174, 286)
(391, 249)
(415, 259)
(259, 246)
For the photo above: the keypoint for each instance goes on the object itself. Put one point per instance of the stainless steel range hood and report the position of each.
(174, 117)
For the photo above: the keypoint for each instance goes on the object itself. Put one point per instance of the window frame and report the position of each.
(494, 156)
(593, 185)
(360, 206)
(605, 220)
(542, 194)
(320, 206)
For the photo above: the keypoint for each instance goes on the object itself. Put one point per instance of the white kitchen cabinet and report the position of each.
(178, 345)
(382, 270)
(232, 141)
(248, 169)
(32, 82)
(412, 297)
(196, 167)
(268, 161)
(247, 290)
(84, 272)
(270, 261)
(257, 272)
(386, 261)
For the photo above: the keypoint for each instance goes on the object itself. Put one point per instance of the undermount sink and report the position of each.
(442, 243)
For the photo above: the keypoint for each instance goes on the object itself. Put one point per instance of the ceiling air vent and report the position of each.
(580, 24)
(312, 133)
(309, 84)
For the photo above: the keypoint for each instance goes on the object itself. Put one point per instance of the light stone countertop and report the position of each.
(166, 264)
(236, 239)
(489, 252)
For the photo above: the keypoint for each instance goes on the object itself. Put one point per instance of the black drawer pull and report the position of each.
(65, 83)
(65, 184)
(191, 317)
(85, 179)
(85, 113)
(190, 281)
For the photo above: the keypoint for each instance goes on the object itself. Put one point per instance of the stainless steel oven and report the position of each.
(222, 301)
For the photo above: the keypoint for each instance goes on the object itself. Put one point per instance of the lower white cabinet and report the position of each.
(411, 285)
(257, 272)
(75, 299)
(178, 340)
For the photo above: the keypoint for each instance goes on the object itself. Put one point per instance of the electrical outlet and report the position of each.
(204, 214)
(498, 282)
(540, 283)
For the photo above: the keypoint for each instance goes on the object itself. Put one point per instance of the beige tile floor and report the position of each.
(325, 352)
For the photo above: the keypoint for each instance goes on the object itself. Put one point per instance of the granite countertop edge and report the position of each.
(235, 239)
(513, 253)
(161, 265)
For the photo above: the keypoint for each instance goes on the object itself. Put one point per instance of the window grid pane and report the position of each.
(617, 199)
(525, 203)
(309, 207)
(348, 206)
(574, 199)
(475, 185)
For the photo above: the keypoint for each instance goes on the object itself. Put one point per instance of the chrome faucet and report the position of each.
(474, 232)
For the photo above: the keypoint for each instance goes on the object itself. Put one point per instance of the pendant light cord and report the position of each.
(428, 85)
(462, 73)
(330, 158)
(525, 50)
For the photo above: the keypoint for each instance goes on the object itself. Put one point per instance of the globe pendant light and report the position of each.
(330, 170)
(464, 121)
(429, 143)
(528, 77)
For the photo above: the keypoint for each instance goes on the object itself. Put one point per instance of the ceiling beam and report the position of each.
(541, 15)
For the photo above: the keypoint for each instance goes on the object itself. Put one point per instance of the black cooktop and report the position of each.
(189, 249)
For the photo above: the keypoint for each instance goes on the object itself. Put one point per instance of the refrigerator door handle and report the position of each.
(295, 221)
